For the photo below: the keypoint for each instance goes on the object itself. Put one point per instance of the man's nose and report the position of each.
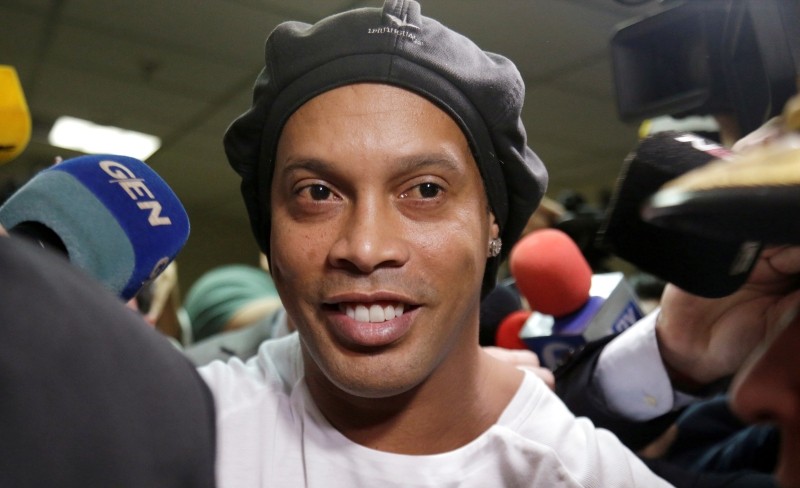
(370, 237)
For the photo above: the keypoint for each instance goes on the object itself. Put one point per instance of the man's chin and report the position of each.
(373, 385)
(370, 377)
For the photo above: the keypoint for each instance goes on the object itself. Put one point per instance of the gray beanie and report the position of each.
(483, 92)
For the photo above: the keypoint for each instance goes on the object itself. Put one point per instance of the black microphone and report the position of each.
(755, 196)
(495, 307)
(706, 266)
(42, 235)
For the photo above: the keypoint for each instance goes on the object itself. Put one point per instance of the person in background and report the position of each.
(159, 303)
(767, 392)
(232, 309)
(92, 395)
(746, 336)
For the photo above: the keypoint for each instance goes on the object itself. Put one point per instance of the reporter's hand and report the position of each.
(523, 359)
(703, 340)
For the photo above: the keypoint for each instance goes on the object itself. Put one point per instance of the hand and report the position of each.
(523, 359)
(165, 303)
(703, 340)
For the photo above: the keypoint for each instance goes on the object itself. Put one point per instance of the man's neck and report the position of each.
(443, 413)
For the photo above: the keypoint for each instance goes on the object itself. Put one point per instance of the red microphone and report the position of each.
(508, 332)
(551, 272)
(571, 306)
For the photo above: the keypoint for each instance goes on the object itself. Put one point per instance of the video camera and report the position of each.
(705, 57)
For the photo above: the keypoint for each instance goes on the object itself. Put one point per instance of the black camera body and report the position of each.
(706, 57)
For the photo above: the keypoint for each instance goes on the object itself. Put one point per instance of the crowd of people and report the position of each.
(387, 176)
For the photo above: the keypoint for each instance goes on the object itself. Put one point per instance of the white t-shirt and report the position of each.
(270, 434)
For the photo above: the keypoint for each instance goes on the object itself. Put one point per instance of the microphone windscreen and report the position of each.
(15, 119)
(701, 265)
(752, 197)
(116, 217)
(551, 272)
(508, 333)
(500, 302)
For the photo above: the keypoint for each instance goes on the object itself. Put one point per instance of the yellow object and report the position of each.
(645, 128)
(15, 119)
(791, 113)
(772, 165)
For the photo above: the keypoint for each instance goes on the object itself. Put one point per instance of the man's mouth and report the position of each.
(372, 312)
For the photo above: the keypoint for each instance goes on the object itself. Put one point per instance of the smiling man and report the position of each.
(377, 209)
(386, 172)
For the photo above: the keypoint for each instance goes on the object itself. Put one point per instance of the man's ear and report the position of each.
(494, 229)
(495, 245)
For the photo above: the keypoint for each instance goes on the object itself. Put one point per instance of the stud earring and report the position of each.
(495, 245)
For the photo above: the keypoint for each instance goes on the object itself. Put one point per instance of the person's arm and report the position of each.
(579, 383)
(632, 378)
(632, 383)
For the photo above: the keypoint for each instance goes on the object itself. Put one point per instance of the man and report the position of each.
(232, 309)
(768, 390)
(386, 172)
(745, 337)
(371, 168)
(92, 396)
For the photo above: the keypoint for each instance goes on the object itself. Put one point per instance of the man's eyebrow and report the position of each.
(419, 162)
(415, 162)
(312, 165)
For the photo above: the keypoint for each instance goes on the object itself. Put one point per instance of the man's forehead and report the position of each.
(377, 96)
(366, 116)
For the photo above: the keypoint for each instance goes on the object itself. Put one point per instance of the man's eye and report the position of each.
(424, 191)
(318, 192)
(429, 190)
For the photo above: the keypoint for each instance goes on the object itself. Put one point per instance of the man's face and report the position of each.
(379, 238)
(768, 389)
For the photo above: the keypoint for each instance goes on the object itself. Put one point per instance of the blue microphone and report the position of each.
(113, 216)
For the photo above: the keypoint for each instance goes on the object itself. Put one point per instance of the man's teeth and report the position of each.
(372, 313)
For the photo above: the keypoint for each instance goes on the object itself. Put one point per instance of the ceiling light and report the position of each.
(88, 137)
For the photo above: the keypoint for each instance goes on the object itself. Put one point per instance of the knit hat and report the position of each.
(482, 91)
(218, 294)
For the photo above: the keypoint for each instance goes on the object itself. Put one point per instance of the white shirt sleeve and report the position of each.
(632, 378)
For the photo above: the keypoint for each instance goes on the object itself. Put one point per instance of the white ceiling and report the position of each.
(182, 69)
